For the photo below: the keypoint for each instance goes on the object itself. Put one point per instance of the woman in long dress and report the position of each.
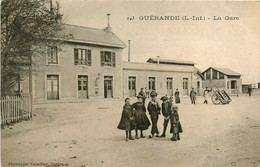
(141, 120)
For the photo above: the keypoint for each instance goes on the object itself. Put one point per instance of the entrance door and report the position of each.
(108, 87)
(52, 87)
(198, 87)
(169, 86)
(132, 86)
(234, 87)
(82, 86)
(185, 86)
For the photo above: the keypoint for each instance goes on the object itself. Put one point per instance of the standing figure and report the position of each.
(206, 95)
(176, 128)
(142, 93)
(177, 96)
(141, 120)
(127, 120)
(166, 106)
(192, 96)
(249, 90)
(147, 92)
(154, 111)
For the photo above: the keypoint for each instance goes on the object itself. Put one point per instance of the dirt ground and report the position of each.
(85, 135)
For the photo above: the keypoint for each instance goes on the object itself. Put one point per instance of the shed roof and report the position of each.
(226, 71)
(93, 36)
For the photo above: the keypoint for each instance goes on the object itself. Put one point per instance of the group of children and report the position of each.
(134, 117)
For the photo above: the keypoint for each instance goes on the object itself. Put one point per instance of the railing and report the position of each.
(15, 108)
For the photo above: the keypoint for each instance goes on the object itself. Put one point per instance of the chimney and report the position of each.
(129, 50)
(108, 28)
(158, 61)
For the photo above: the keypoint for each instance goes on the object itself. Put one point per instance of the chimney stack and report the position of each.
(108, 28)
(129, 50)
(158, 62)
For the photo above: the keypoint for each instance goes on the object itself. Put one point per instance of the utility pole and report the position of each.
(129, 50)
(30, 85)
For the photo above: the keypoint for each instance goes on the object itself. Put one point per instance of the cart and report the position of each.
(220, 97)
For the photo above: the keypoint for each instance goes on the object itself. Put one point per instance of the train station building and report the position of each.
(90, 66)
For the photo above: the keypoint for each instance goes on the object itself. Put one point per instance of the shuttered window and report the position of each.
(107, 59)
(82, 57)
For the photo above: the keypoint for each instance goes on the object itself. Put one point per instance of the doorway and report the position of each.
(108, 87)
(82, 86)
(132, 86)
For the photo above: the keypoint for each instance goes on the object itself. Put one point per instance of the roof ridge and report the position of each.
(84, 26)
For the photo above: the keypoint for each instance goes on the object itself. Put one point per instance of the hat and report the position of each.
(164, 98)
(153, 94)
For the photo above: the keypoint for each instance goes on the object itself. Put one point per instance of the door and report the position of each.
(52, 87)
(82, 86)
(108, 87)
(132, 86)
(169, 86)
(185, 86)
(151, 84)
(234, 87)
(198, 87)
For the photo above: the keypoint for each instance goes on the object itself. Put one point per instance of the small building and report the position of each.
(163, 76)
(223, 78)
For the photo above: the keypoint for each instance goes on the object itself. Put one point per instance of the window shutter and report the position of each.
(89, 57)
(102, 58)
(76, 56)
(113, 59)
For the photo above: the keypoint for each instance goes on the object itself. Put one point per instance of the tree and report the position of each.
(25, 26)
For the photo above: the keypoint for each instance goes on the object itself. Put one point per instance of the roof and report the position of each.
(167, 61)
(92, 36)
(136, 66)
(226, 71)
(197, 71)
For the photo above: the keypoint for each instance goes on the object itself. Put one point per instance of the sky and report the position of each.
(233, 44)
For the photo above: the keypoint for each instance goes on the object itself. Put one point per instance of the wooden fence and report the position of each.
(15, 108)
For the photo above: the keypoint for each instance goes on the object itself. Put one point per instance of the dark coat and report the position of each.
(154, 111)
(166, 107)
(142, 122)
(192, 95)
(127, 119)
(177, 97)
(154, 107)
(175, 121)
(141, 93)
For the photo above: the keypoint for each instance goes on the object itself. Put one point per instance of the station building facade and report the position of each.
(90, 66)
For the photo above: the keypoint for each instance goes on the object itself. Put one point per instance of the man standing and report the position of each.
(249, 90)
(192, 96)
(177, 96)
(142, 93)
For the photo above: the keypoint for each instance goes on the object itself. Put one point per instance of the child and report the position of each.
(166, 113)
(176, 128)
(154, 111)
(142, 122)
(127, 119)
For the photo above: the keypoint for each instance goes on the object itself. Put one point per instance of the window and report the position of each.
(82, 57)
(169, 83)
(215, 74)
(221, 76)
(185, 83)
(151, 83)
(52, 52)
(108, 59)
